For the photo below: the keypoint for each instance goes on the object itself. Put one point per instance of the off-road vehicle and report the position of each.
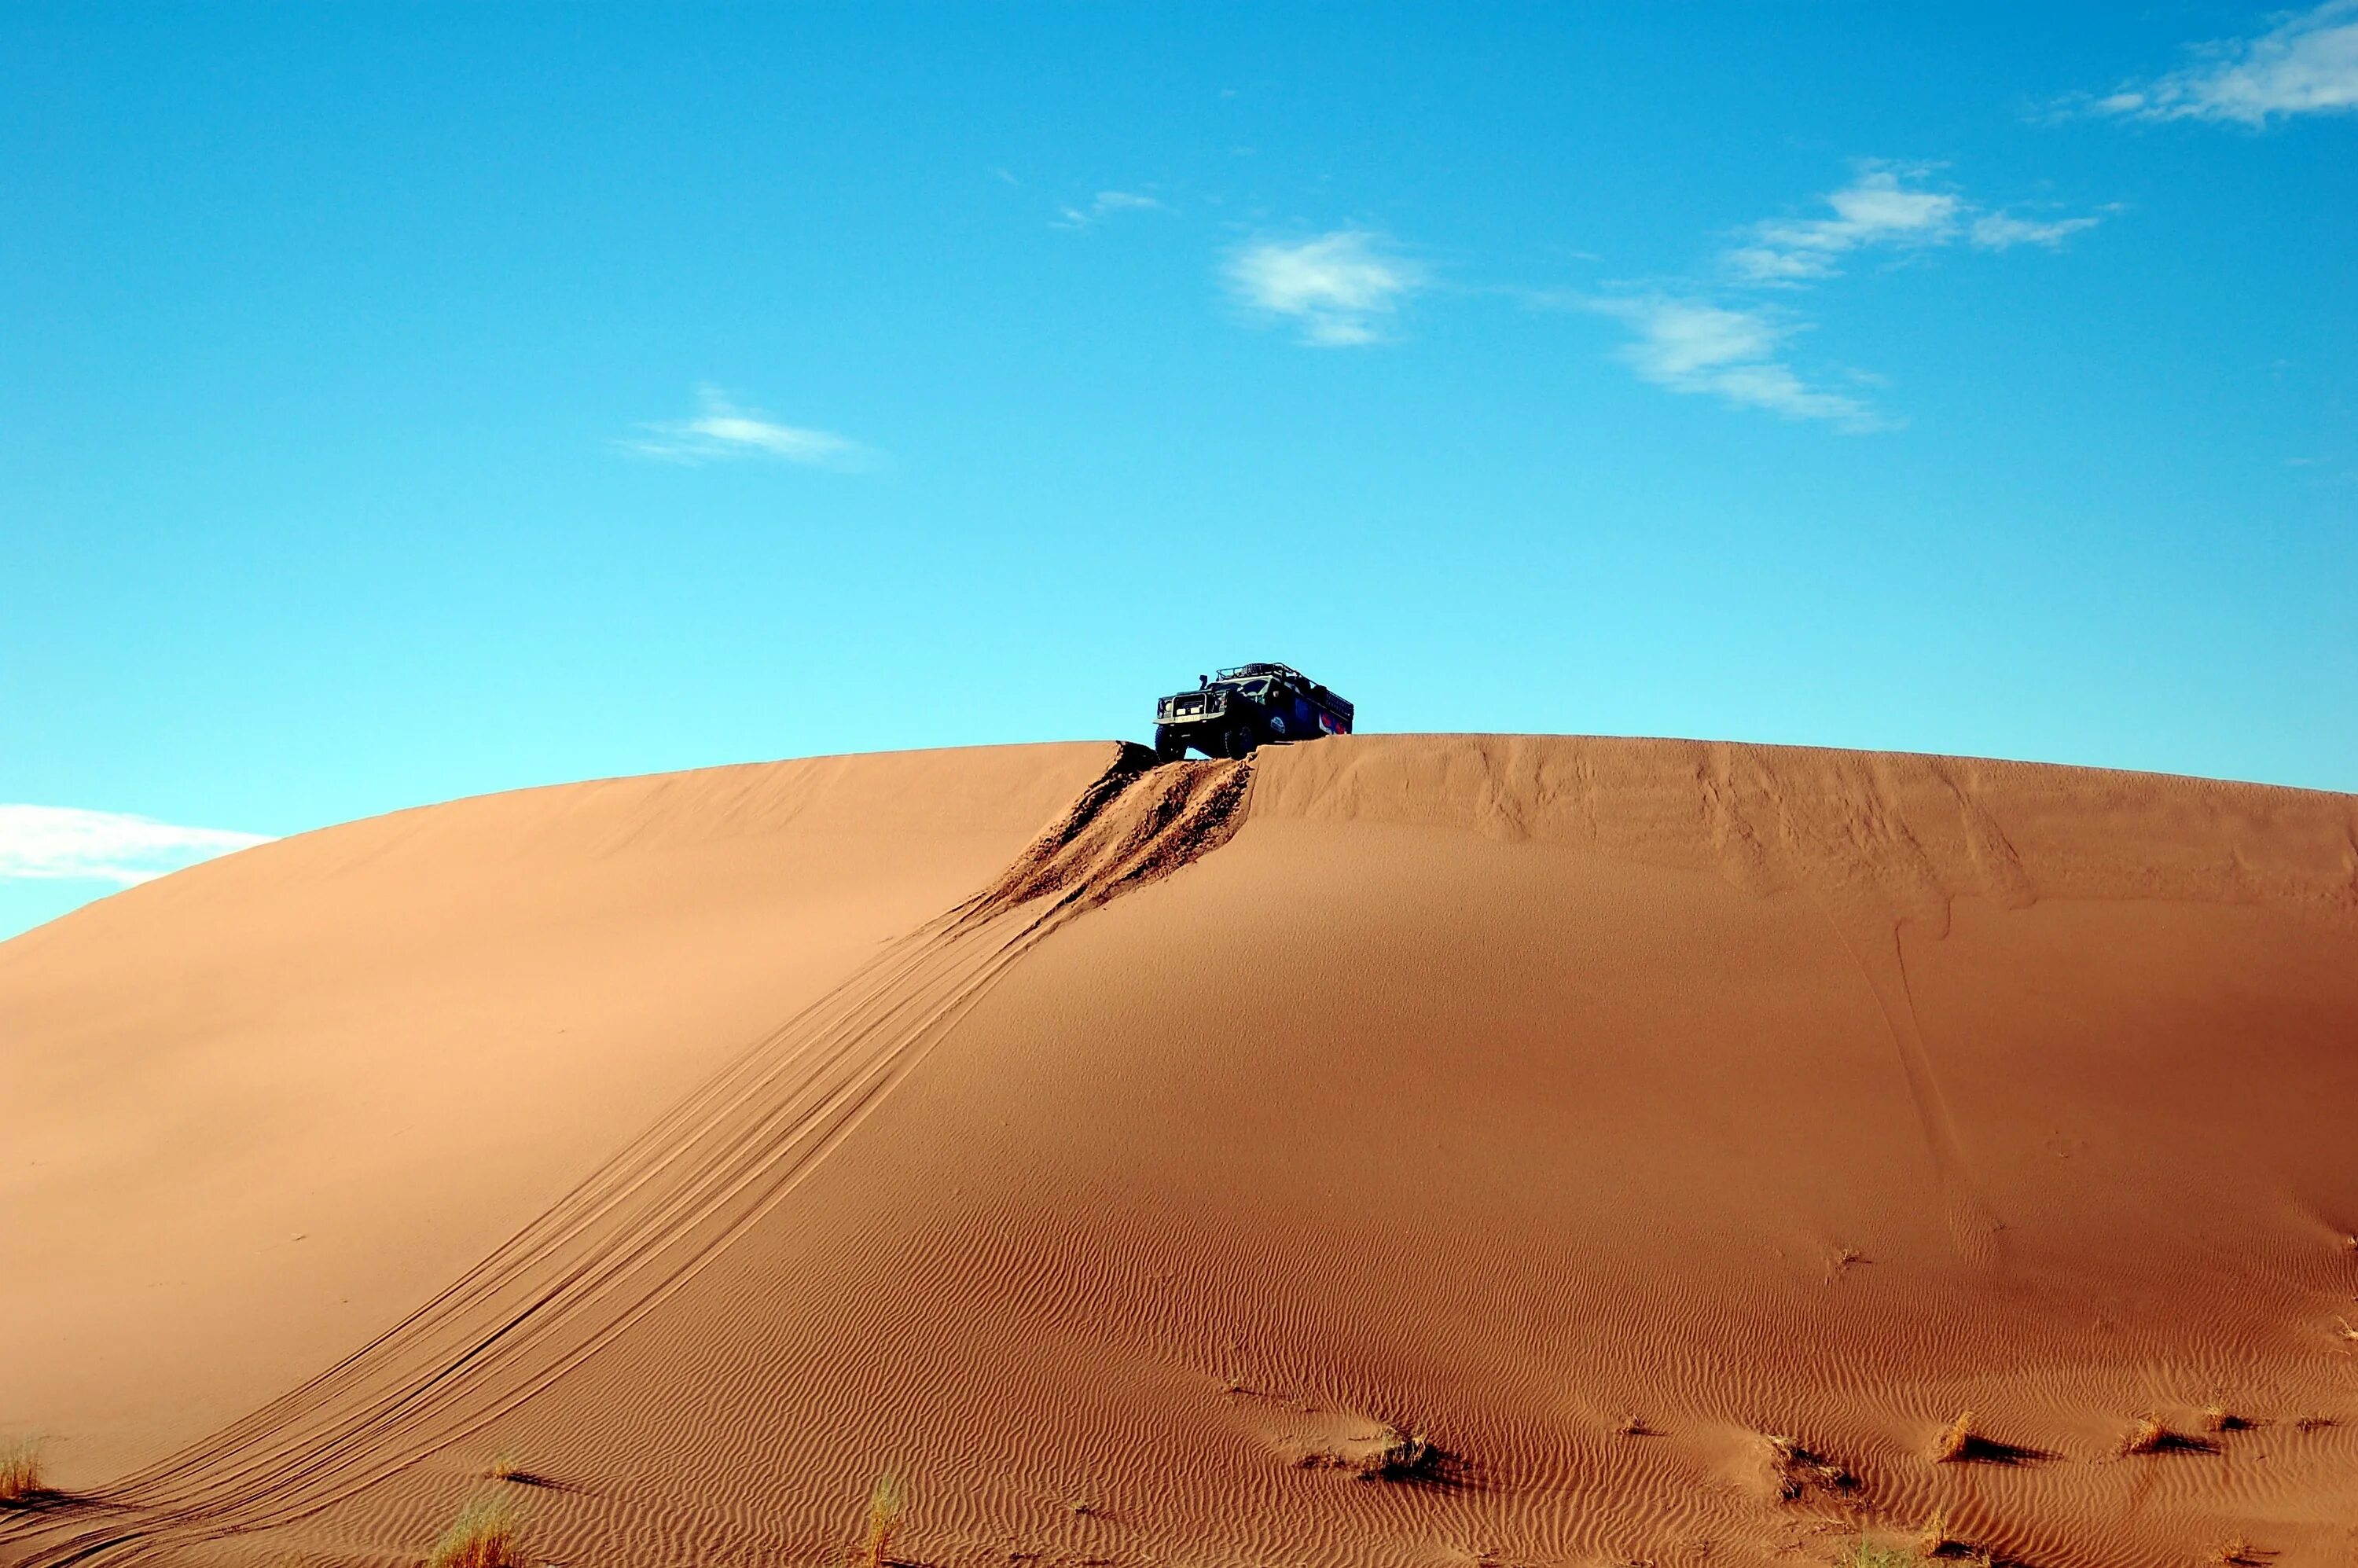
(1253, 705)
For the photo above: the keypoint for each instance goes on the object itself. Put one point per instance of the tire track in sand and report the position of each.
(1853, 853)
(638, 1227)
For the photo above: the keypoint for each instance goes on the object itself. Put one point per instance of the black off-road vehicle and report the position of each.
(1252, 705)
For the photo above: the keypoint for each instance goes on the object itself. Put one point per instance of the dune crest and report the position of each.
(1323, 1159)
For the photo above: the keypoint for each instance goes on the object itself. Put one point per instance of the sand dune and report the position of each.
(1677, 1137)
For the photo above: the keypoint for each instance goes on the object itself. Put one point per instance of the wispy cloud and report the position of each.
(721, 430)
(65, 843)
(1338, 288)
(2308, 64)
(2003, 230)
(1694, 345)
(1889, 206)
(1878, 208)
(1104, 205)
(1685, 341)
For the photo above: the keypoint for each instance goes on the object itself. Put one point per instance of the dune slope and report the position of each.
(1677, 1137)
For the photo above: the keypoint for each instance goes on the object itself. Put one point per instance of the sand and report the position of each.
(1677, 1137)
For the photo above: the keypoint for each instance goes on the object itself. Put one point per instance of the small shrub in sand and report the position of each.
(886, 1506)
(1865, 1554)
(1392, 1453)
(2237, 1553)
(20, 1471)
(1938, 1541)
(1794, 1469)
(2218, 1418)
(1961, 1443)
(486, 1534)
(2152, 1435)
(1399, 1456)
(1955, 1440)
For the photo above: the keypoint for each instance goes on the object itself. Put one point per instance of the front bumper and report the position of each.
(1191, 710)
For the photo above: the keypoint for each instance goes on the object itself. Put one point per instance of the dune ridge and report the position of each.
(1675, 1135)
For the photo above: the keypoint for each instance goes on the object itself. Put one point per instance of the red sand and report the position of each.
(699, 1147)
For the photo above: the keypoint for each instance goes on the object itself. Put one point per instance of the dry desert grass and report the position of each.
(1401, 1455)
(1939, 1541)
(1961, 1443)
(1794, 1470)
(886, 1508)
(20, 1471)
(487, 1533)
(2152, 1435)
(1865, 1554)
(1955, 1440)
(1392, 1453)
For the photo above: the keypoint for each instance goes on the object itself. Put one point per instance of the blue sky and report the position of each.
(399, 403)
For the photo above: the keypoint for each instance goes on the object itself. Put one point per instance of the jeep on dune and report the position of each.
(1253, 705)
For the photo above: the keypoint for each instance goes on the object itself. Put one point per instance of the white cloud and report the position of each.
(1104, 205)
(1692, 345)
(2306, 65)
(721, 430)
(1878, 207)
(1883, 208)
(2003, 230)
(64, 843)
(1339, 287)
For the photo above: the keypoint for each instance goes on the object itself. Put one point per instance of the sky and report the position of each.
(400, 402)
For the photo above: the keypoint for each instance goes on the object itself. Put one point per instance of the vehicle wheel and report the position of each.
(1240, 743)
(1169, 747)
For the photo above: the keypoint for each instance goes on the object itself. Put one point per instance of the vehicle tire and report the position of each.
(1240, 743)
(1169, 746)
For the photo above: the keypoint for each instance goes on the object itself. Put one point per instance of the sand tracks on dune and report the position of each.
(1136, 825)
(637, 1228)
